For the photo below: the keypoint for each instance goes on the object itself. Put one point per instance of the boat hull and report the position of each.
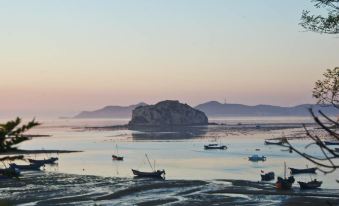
(117, 158)
(284, 184)
(310, 185)
(331, 143)
(273, 143)
(27, 167)
(303, 171)
(208, 147)
(267, 177)
(47, 161)
(155, 174)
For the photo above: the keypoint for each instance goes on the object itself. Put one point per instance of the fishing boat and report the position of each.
(116, 156)
(51, 160)
(270, 142)
(314, 184)
(331, 142)
(215, 146)
(267, 176)
(26, 167)
(303, 171)
(256, 158)
(284, 183)
(9, 173)
(153, 174)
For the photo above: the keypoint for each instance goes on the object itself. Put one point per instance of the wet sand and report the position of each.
(45, 188)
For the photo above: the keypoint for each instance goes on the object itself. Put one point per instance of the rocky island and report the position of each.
(167, 113)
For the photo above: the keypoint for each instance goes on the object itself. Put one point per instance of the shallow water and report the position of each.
(180, 153)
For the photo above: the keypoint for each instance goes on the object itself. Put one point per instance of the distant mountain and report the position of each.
(217, 109)
(110, 112)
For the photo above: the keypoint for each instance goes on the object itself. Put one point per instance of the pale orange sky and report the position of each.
(58, 58)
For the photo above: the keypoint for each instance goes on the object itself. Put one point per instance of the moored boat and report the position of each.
(215, 146)
(336, 149)
(275, 142)
(303, 171)
(267, 176)
(331, 142)
(118, 158)
(256, 158)
(27, 167)
(51, 160)
(154, 174)
(9, 173)
(314, 184)
(284, 183)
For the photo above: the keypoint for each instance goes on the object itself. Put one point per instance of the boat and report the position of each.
(256, 158)
(336, 149)
(314, 184)
(267, 176)
(51, 160)
(9, 173)
(215, 146)
(331, 142)
(35, 166)
(284, 183)
(154, 174)
(118, 158)
(303, 171)
(269, 142)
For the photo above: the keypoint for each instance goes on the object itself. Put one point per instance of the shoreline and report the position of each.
(22, 152)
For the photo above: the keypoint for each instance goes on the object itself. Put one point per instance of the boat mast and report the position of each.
(149, 162)
(285, 170)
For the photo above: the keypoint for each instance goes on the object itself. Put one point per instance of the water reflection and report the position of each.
(168, 133)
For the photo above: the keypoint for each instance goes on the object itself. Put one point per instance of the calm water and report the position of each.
(181, 153)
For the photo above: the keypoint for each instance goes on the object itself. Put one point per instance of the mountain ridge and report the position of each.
(217, 109)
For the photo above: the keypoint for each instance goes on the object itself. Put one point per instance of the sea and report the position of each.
(180, 152)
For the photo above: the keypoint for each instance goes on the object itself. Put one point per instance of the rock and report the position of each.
(167, 113)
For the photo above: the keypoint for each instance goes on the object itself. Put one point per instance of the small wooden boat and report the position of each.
(303, 171)
(314, 184)
(154, 174)
(9, 173)
(51, 160)
(117, 158)
(267, 177)
(269, 142)
(215, 146)
(284, 183)
(331, 142)
(26, 167)
(256, 158)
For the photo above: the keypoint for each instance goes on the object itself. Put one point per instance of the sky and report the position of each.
(61, 57)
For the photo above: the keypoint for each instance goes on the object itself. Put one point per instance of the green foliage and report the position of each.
(326, 91)
(323, 24)
(11, 133)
